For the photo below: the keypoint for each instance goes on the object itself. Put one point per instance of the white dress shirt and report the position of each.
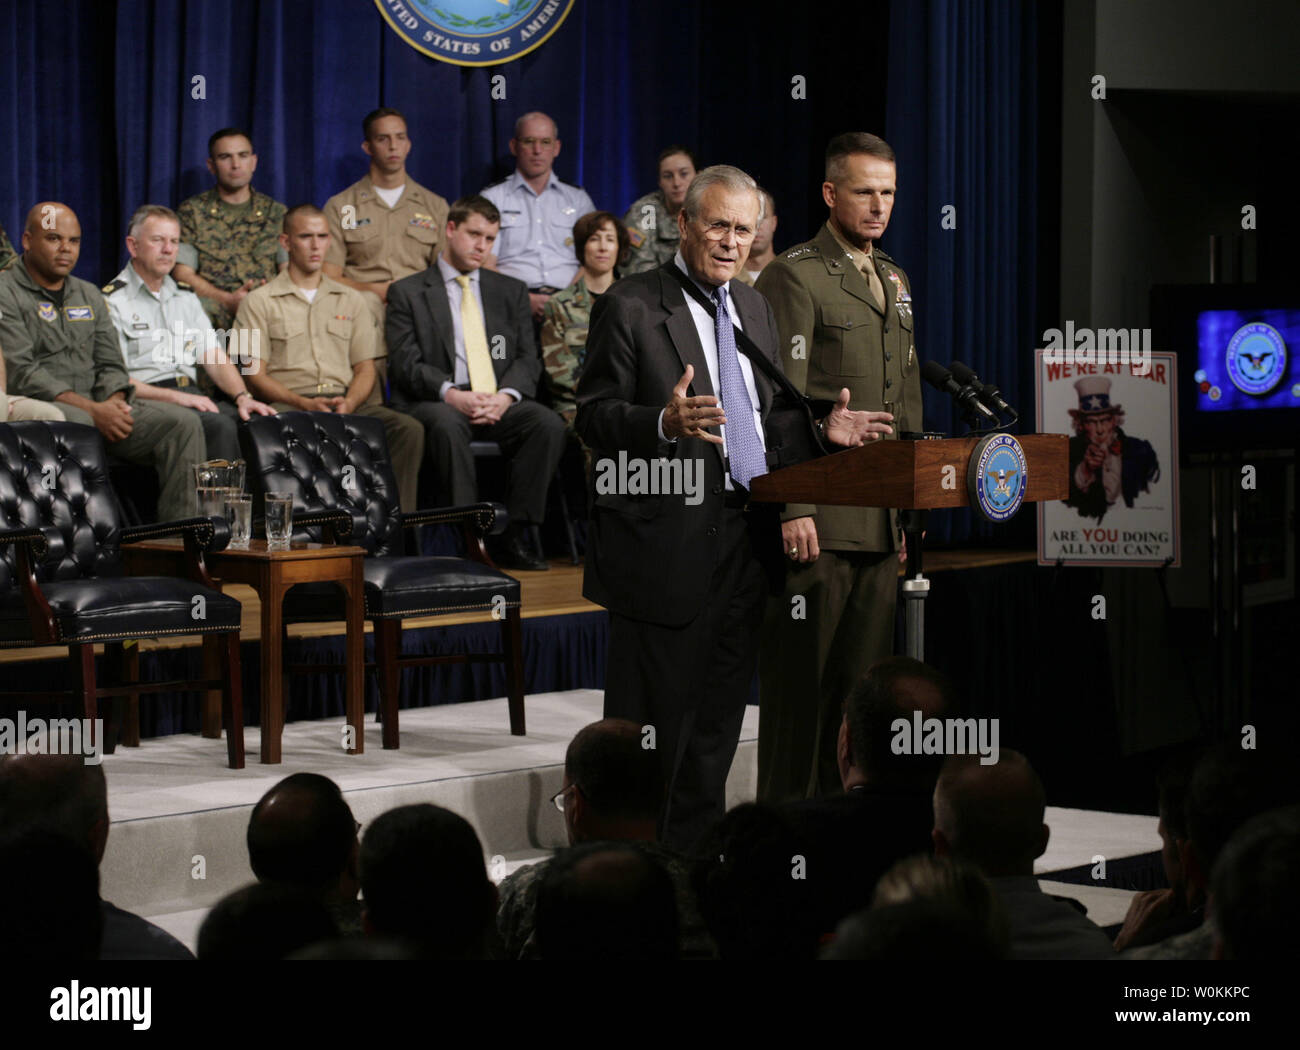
(461, 369)
(704, 326)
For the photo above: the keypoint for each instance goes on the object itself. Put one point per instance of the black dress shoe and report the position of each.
(513, 553)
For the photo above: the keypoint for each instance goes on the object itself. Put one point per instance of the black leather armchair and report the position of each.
(61, 580)
(335, 463)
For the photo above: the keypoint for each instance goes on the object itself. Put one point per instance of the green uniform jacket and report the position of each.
(564, 344)
(833, 336)
(654, 234)
(229, 252)
(49, 351)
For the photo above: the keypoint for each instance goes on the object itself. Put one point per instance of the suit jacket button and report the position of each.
(713, 530)
(888, 383)
(888, 356)
(717, 490)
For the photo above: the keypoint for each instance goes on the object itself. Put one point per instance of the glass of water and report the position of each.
(239, 512)
(211, 501)
(279, 520)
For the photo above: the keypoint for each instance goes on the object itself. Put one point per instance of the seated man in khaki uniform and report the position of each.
(60, 346)
(313, 348)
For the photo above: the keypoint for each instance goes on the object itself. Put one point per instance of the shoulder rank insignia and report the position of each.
(803, 249)
(113, 286)
(184, 287)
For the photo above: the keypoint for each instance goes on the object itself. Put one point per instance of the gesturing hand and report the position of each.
(690, 416)
(856, 428)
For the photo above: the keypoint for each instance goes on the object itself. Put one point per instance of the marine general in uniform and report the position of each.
(60, 345)
(844, 312)
(229, 233)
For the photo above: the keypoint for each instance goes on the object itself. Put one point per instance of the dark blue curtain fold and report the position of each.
(962, 116)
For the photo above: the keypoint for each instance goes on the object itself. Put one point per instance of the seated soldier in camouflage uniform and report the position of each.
(60, 345)
(652, 220)
(600, 242)
(613, 792)
(230, 233)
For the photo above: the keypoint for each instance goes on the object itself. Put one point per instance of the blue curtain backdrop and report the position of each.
(962, 115)
(103, 110)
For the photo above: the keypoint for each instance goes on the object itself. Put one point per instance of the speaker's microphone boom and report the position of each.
(967, 400)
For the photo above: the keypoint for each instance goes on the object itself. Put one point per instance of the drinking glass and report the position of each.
(211, 501)
(279, 520)
(239, 512)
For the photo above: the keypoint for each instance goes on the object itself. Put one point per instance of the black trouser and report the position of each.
(691, 683)
(531, 438)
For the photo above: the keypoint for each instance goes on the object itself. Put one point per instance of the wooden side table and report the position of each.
(271, 574)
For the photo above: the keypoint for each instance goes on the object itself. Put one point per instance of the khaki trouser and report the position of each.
(15, 408)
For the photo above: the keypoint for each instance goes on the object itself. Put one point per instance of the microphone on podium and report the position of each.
(986, 392)
(967, 400)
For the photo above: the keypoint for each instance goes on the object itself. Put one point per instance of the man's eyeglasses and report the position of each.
(557, 800)
(718, 229)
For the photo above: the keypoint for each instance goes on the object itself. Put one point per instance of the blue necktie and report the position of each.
(744, 450)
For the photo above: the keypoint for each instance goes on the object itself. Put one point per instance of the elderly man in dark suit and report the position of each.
(682, 572)
(464, 363)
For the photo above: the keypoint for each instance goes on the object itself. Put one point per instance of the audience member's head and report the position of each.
(606, 901)
(49, 895)
(891, 689)
(1254, 889)
(60, 792)
(752, 890)
(1171, 784)
(424, 881)
(991, 816)
(613, 785)
(921, 930)
(1228, 786)
(948, 881)
(264, 921)
(302, 834)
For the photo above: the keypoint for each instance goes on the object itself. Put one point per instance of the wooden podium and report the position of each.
(914, 477)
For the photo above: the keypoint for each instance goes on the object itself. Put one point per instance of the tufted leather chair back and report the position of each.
(56, 474)
(310, 453)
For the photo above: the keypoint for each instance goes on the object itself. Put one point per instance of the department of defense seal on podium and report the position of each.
(997, 476)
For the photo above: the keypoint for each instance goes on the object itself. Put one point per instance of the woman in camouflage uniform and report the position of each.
(600, 242)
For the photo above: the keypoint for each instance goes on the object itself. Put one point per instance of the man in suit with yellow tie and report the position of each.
(463, 361)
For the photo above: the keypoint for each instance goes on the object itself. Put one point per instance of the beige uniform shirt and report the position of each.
(310, 348)
(373, 242)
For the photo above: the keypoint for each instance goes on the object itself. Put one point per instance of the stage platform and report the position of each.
(179, 816)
